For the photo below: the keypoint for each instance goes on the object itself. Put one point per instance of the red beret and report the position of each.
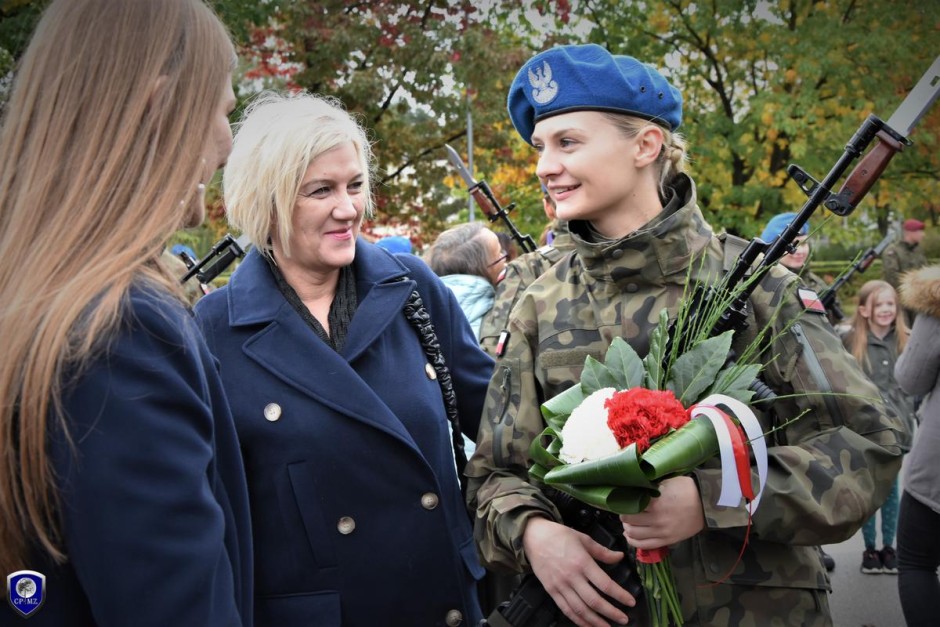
(913, 225)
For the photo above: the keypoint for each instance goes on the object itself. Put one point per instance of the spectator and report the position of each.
(469, 260)
(351, 372)
(122, 481)
(876, 337)
(507, 243)
(918, 373)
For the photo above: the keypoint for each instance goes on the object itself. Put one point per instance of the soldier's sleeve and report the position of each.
(508, 292)
(891, 264)
(830, 468)
(499, 492)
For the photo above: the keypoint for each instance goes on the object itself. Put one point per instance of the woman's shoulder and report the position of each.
(152, 316)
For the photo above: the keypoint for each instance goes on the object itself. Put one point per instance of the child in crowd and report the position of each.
(876, 338)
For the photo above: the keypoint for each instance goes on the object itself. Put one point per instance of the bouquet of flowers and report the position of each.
(633, 422)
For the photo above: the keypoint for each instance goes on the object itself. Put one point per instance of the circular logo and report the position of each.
(26, 587)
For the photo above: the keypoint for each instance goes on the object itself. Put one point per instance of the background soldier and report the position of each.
(903, 256)
(521, 273)
(798, 261)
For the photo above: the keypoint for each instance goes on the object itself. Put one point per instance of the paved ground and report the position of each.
(860, 600)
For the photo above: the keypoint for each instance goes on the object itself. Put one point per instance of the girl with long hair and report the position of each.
(876, 338)
(121, 484)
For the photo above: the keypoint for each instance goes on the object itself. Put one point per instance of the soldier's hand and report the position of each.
(565, 561)
(675, 515)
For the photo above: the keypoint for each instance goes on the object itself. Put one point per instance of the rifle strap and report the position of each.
(417, 316)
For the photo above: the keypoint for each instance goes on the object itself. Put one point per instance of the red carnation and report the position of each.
(641, 415)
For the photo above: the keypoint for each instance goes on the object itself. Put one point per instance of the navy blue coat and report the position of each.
(154, 502)
(356, 508)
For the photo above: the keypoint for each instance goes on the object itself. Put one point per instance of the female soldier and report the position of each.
(122, 492)
(604, 127)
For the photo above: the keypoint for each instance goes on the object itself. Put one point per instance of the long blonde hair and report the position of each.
(858, 339)
(101, 152)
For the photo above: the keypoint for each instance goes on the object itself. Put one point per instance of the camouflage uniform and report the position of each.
(816, 283)
(898, 258)
(828, 471)
(518, 275)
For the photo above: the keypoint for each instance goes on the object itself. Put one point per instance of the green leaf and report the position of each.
(734, 380)
(681, 451)
(557, 409)
(622, 469)
(595, 376)
(654, 359)
(695, 370)
(624, 364)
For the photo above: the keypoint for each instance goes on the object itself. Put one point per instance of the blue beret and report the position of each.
(588, 78)
(777, 224)
(395, 244)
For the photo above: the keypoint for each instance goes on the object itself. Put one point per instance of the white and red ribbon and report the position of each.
(735, 459)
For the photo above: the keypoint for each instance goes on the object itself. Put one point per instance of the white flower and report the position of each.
(586, 435)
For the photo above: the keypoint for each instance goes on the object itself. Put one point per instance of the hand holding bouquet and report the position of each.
(632, 423)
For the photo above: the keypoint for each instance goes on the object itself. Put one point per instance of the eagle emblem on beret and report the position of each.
(544, 89)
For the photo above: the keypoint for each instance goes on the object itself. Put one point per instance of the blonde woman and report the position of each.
(122, 492)
(604, 127)
(343, 409)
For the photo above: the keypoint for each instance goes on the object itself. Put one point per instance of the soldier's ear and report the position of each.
(649, 143)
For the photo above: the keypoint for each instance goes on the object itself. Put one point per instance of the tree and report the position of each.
(767, 84)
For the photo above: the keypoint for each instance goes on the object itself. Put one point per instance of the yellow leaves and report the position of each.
(772, 134)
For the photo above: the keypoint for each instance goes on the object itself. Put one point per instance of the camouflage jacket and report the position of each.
(518, 275)
(816, 283)
(900, 257)
(828, 471)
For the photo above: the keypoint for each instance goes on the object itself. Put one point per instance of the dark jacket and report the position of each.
(153, 496)
(918, 373)
(356, 507)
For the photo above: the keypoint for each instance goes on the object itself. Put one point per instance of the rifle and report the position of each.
(828, 297)
(530, 605)
(741, 281)
(220, 257)
(484, 197)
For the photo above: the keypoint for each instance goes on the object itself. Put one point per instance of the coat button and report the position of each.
(617, 254)
(429, 369)
(429, 500)
(632, 288)
(454, 618)
(272, 411)
(346, 525)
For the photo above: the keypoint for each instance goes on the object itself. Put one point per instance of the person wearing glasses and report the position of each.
(469, 259)
(340, 394)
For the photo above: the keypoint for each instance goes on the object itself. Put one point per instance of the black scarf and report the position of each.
(342, 308)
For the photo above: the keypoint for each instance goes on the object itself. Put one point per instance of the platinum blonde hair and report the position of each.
(276, 140)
